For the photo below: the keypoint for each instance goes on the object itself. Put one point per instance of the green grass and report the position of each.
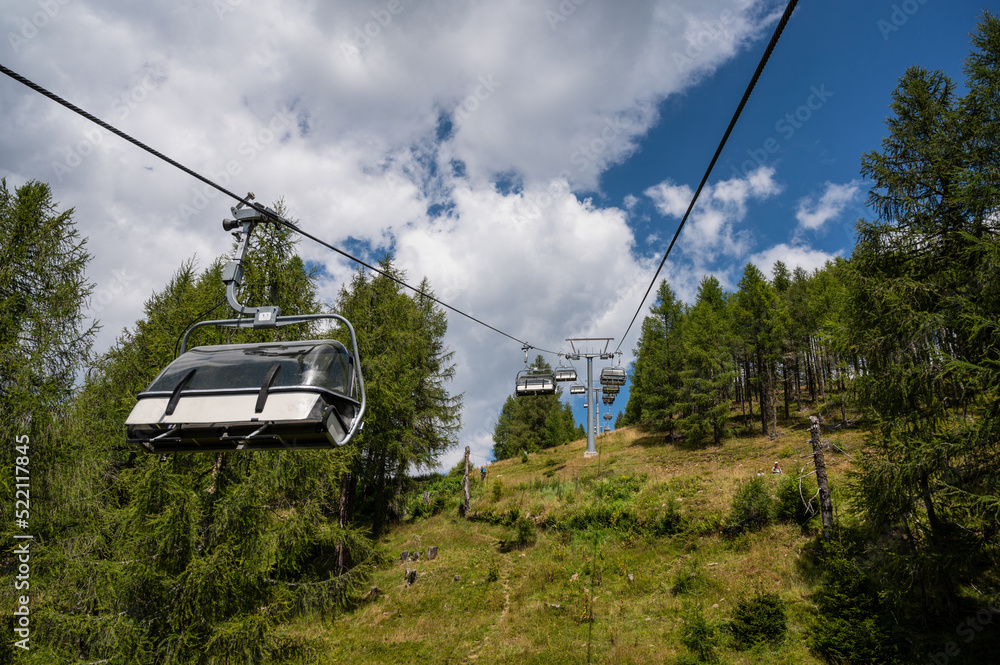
(567, 594)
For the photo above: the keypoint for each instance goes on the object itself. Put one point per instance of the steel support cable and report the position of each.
(277, 218)
(718, 151)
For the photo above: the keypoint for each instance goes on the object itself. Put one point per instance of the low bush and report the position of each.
(853, 625)
(521, 534)
(752, 509)
(699, 635)
(789, 506)
(757, 619)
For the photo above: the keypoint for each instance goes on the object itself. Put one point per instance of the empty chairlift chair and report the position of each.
(273, 395)
(234, 397)
(613, 376)
(578, 389)
(530, 383)
(611, 389)
(565, 374)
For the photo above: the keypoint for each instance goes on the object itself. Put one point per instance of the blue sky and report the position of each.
(450, 133)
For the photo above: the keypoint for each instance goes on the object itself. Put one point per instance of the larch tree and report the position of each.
(709, 368)
(534, 423)
(923, 304)
(412, 417)
(656, 374)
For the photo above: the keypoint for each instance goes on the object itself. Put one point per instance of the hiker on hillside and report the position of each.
(775, 468)
(482, 473)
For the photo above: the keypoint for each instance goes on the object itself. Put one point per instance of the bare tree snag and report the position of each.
(825, 504)
(465, 483)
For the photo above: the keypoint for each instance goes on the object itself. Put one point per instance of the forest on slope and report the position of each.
(184, 558)
(205, 558)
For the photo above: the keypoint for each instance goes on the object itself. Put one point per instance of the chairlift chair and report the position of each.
(611, 389)
(607, 416)
(577, 389)
(564, 373)
(613, 376)
(608, 399)
(531, 383)
(263, 396)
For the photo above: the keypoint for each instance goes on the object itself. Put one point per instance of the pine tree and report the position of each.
(709, 369)
(761, 322)
(656, 374)
(923, 303)
(44, 338)
(412, 418)
(534, 423)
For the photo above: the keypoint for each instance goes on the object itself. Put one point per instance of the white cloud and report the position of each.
(793, 256)
(813, 215)
(711, 230)
(338, 108)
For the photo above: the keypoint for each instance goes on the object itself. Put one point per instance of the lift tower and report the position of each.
(590, 348)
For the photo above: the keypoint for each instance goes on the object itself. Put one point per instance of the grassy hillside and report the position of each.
(540, 571)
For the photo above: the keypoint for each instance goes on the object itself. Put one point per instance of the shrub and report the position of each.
(753, 507)
(699, 635)
(688, 579)
(521, 534)
(789, 506)
(853, 624)
(760, 618)
(671, 523)
(497, 490)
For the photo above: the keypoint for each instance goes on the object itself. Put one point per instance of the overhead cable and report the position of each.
(718, 151)
(246, 201)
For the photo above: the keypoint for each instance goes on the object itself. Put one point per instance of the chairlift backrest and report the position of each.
(613, 376)
(250, 397)
(565, 374)
(530, 383)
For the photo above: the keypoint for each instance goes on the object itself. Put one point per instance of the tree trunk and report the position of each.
(343, 518)
(784, 374)
(810, 374)
(825, 503)
(798, 384)
(465, 483)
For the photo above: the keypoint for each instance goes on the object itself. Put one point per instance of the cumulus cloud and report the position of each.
(711, 230)
(793, 256)
(813, 214)
(389, 128)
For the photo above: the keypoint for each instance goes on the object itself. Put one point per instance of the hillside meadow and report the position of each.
(567, 559)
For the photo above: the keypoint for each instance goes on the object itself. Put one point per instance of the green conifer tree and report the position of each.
(709, 368)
